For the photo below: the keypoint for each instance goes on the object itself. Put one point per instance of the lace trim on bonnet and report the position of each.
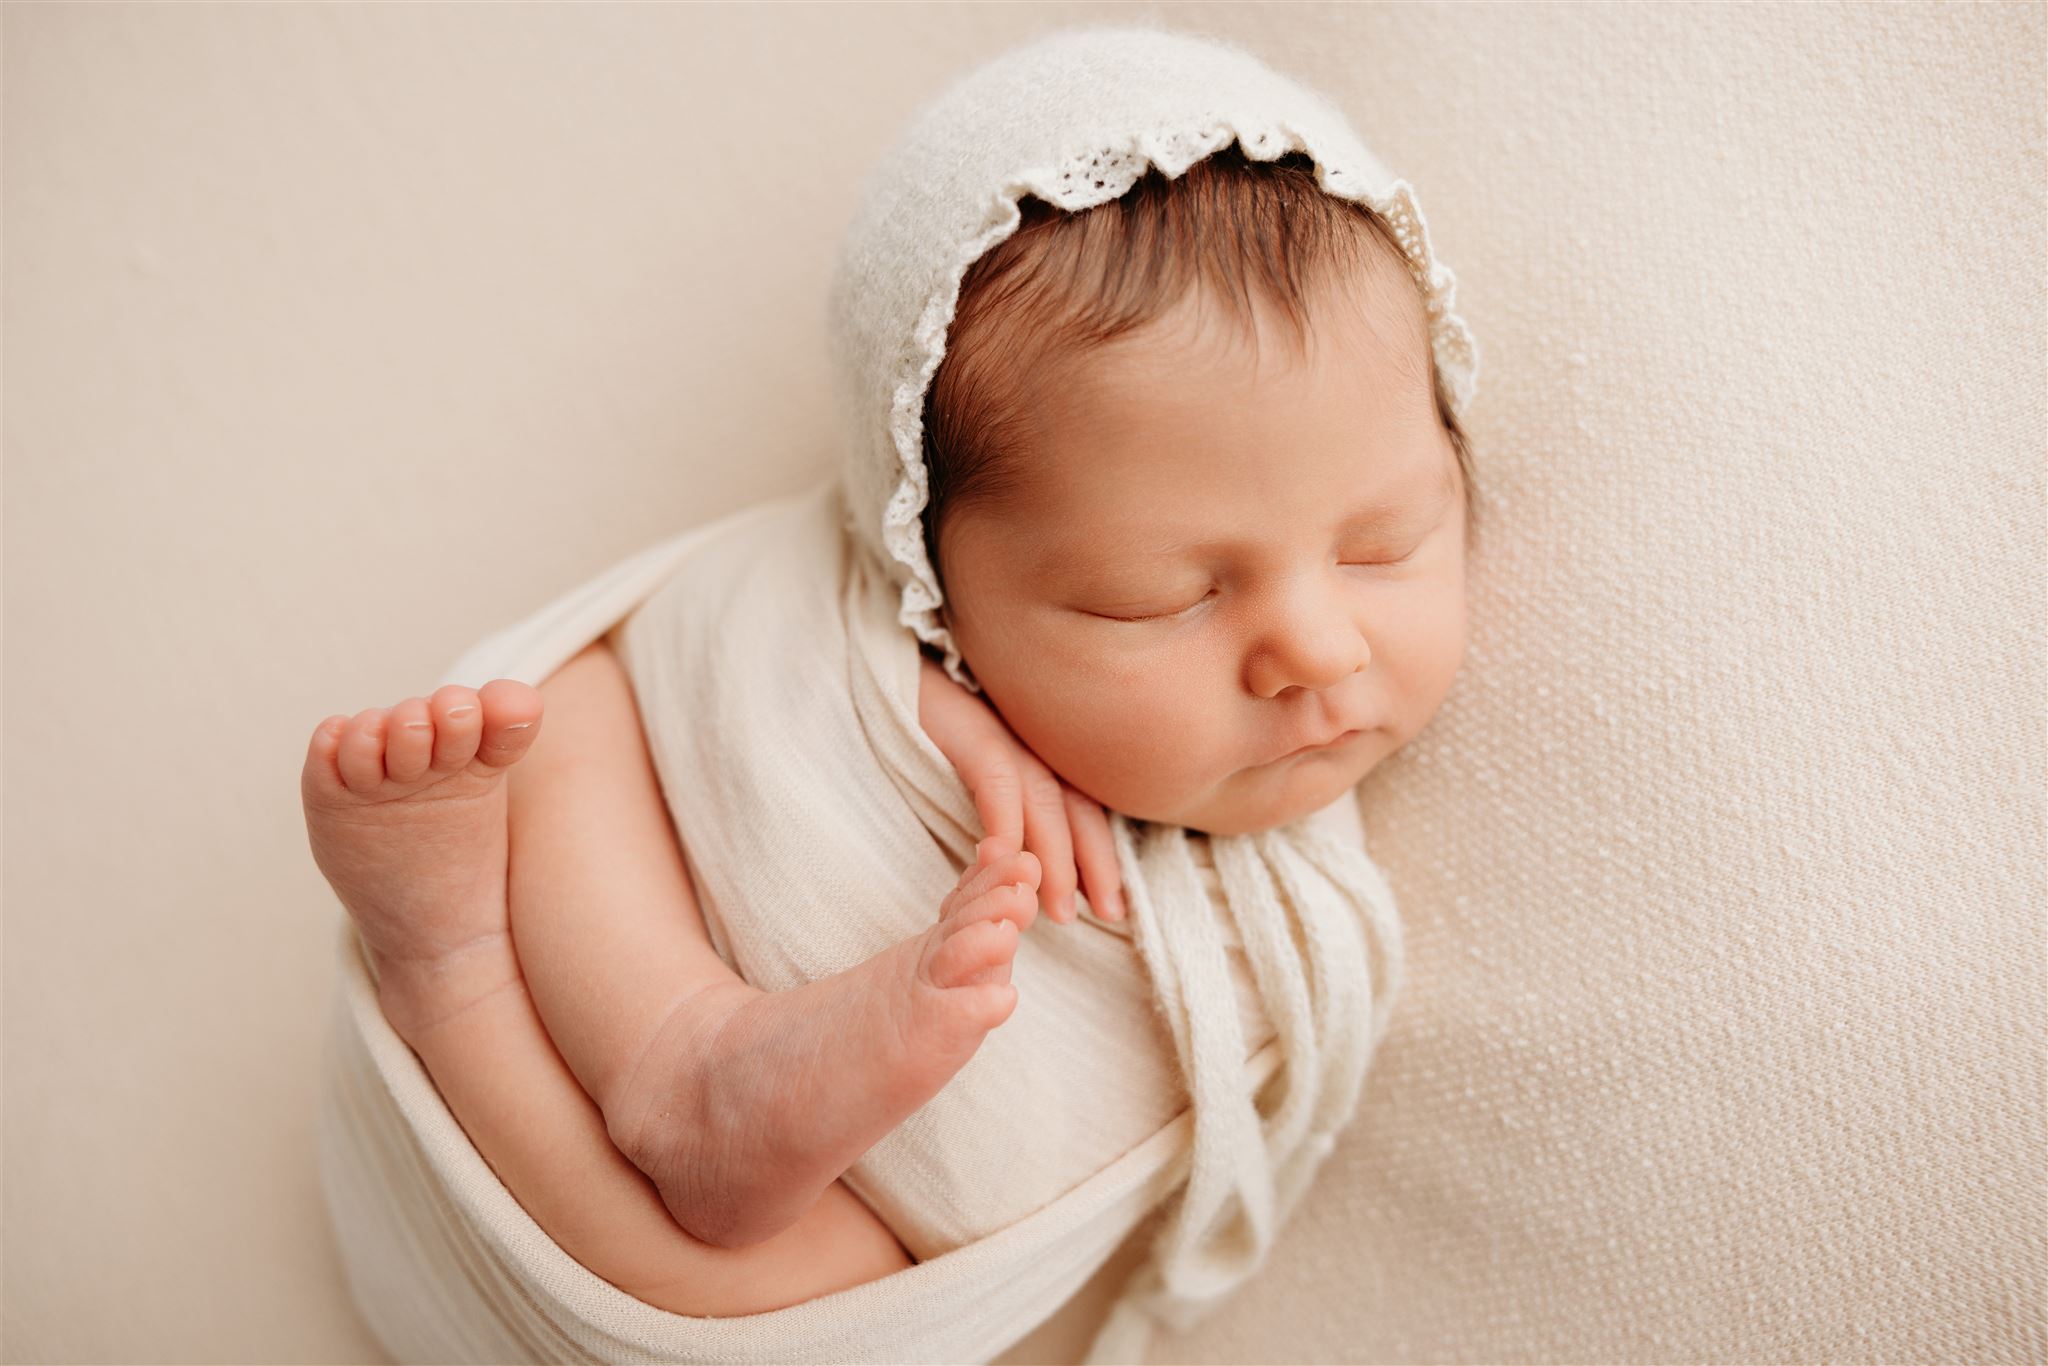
(1096, 177)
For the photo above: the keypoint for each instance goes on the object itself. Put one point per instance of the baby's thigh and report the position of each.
(603, 912)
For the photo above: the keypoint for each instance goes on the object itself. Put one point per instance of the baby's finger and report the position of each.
(1095, 852)
(999, 797)
(978, 745)
(1046, 834)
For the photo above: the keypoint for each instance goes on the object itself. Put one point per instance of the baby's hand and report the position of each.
(1020, 798)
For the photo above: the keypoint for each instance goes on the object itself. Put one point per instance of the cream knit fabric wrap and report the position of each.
(1206, 1055)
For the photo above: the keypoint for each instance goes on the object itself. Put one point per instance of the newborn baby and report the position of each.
(1199, 509)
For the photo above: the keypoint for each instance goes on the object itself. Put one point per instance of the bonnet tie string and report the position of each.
(1300, 903)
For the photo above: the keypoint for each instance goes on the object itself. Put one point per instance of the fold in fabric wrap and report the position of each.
(822, 825)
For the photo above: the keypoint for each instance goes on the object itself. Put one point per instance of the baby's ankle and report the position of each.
(419, 995)
(670, 1066)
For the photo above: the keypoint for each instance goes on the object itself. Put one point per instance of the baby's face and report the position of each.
(1217, 563)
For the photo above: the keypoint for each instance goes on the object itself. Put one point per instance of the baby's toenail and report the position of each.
(454, 712)
(519, 725)
(419, 725)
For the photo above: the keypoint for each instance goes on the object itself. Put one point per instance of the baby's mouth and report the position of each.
(1322, 747)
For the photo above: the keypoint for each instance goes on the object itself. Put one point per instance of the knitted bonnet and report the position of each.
(1074, 118)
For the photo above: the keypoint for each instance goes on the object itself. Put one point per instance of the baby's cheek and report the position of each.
(1143, 757)
(1128, 730)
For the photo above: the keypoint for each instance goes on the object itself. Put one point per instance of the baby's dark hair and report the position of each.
(1063, 282)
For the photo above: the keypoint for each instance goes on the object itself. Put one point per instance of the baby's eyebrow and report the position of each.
(1375, 515)
(1070, 567)
(1080, 565)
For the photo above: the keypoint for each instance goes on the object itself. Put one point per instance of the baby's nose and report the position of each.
(1311, 640)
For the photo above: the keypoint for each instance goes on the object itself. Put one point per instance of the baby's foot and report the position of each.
(747, 1105)
(405, 810)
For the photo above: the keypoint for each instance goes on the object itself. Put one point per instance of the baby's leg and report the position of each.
(405, 810)
(742, 1106)
(509, 1089)
(385, 792)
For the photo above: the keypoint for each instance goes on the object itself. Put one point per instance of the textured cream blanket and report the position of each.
(821, 825)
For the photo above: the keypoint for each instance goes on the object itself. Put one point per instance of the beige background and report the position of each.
(337, 336)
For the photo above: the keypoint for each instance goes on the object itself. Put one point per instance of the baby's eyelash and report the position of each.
(1167, 616)
(1183, 611)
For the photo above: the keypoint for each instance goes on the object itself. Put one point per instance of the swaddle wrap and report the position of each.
(1205, 1055)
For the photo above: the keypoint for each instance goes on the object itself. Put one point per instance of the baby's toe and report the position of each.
(408, 741)
(1013, 902)
(511, 720)
(985, 1006)
(458, 719)
(321, 776)
(361, 754)
(979, 953)
(1018, 866)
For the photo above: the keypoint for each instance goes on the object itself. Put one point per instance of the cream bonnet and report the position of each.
(1074, 118)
